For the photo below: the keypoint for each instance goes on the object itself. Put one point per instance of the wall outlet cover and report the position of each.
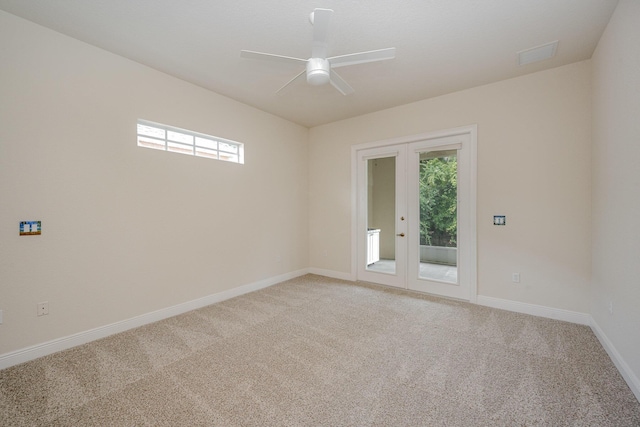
(43, 308)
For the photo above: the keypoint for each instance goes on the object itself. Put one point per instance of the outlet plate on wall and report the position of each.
(43, 308)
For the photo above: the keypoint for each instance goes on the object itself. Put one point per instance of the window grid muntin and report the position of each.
(232, 152)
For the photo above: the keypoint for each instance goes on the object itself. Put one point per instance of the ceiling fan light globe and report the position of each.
(318, 77)
(318, 71)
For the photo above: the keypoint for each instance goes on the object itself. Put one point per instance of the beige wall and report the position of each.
(128, 230)
(616, 184)
(533, 166)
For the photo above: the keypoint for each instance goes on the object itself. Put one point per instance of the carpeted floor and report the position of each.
(321, 352)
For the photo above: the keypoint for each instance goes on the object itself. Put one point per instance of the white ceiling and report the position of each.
(442, 45)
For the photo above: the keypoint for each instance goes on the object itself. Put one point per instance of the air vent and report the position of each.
(537, 53)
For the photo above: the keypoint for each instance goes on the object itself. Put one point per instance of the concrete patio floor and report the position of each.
(445, 273)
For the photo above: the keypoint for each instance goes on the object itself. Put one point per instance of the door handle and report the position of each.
(401, 234)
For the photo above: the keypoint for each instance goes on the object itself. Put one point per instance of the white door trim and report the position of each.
(472, 130)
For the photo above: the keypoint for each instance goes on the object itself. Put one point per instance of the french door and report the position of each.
(415, 204)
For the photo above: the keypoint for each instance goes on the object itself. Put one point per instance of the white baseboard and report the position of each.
(535, 310)
(332, 274)
(59, 344)
(624, 369)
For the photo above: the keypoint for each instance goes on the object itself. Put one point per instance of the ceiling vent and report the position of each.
(537, 53)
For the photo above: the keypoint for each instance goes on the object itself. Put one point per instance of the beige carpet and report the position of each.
(320, 352)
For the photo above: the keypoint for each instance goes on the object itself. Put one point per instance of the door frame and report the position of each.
(472, 131)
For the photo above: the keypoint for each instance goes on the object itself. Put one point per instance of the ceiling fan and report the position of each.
(320, 69)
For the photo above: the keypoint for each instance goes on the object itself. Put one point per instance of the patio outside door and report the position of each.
(416, 215)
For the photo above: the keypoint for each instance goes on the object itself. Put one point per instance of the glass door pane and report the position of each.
(381, 215)
(438, 224)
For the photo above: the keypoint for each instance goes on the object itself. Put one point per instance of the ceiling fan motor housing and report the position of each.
(318, 71)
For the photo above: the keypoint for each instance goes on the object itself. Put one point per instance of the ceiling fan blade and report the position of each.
(291, 81)
(321, 18)
(249, 54)
(362, 57)
(339, 83)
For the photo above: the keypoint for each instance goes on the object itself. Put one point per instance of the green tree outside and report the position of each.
(438, 201)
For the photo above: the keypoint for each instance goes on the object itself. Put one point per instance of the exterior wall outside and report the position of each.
(439, 255)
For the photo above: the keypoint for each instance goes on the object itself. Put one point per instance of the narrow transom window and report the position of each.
(169, 138)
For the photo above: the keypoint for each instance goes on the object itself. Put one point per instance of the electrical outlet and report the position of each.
(610, 308)
(43, 308)
(515, 277)
(0, 317)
